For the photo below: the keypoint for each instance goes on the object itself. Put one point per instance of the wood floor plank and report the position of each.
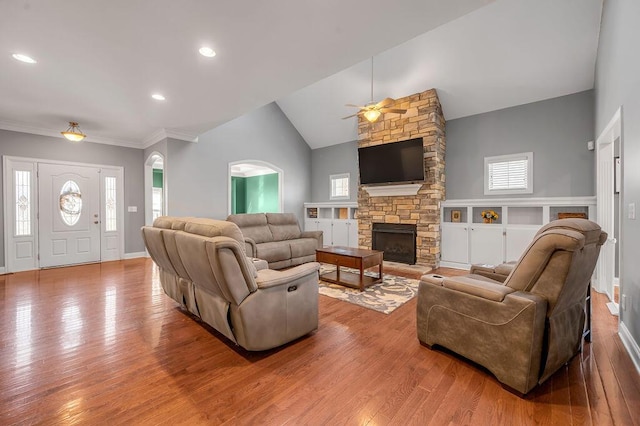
(102, 344)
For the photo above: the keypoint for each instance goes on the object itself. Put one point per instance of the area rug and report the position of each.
(384, 297)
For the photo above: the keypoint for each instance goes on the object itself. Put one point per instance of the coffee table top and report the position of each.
(348, 251)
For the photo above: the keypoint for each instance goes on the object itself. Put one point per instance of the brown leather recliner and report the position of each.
(525, 329)
(204, 267)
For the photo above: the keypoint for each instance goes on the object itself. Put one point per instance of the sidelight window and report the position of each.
(110, 204)
(22, 181)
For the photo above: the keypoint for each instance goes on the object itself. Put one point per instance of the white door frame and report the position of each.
(148, 186)
(7, 193)
(605, 208)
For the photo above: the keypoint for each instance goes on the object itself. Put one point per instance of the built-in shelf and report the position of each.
(393, 190)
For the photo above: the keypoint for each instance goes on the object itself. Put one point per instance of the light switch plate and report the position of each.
(132, 209)
(632, 211)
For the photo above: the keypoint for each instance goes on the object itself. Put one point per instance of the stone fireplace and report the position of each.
(422, 207)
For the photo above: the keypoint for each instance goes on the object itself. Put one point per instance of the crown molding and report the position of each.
(15, 126)
(164, 133)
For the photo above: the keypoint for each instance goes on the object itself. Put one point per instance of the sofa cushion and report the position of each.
(284, 226)
(274, 251)
(254, 226)
(303, 247)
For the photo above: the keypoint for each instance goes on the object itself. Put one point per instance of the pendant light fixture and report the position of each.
(73, 133)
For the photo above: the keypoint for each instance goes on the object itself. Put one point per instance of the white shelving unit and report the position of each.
(337, 221)
(467, 239)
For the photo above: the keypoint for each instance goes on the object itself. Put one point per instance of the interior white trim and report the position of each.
(2, 269)
(537, 201)
(393, 190)
(135, 255)
(164, 133)
(631, 345)
(15, 126)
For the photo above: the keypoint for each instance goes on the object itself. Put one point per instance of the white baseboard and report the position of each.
(2, 269)
(631, 345)
(135, 255)
(613, 308)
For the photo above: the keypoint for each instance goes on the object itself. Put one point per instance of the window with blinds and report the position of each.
(509, 174)
(339, 186)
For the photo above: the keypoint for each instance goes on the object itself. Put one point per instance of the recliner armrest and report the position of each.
(495, 272)
(271, 278)
(473, 285)
(313, 234)
(250, 247)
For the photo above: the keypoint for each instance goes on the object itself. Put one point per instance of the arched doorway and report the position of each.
(255, 187)
(154, 187)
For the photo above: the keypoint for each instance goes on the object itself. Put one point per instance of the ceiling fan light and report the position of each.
(371, 115)
(73, 133)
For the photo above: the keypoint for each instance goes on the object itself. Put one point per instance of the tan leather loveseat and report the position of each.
(527, 327)
(276, 238)
(204, 267)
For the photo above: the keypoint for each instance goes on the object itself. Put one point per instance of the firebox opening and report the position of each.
(397, 240)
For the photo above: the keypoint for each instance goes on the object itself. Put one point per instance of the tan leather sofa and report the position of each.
(525, 329)
(204, 267)
(276, 238)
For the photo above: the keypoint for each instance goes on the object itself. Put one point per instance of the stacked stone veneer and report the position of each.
(423, 119)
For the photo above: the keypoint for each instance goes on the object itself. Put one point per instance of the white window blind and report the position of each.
(509, 174)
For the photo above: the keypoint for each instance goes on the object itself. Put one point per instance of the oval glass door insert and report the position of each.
(70, 203)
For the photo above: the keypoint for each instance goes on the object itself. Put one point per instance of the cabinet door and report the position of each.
(455, 244)
(487, 245)
(324, 225)
(352, 232)
(340, 233)
(517, 239)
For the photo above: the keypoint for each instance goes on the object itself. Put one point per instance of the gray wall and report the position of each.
(331, 160)
(18, 144)
(197, 173)
(617, 84)
(555, 130)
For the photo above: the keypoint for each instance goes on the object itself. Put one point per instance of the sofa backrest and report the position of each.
(208, 252)
(283, 226)
(253, 225)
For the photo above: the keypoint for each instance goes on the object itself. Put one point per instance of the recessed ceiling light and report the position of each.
(24, 58)
(207, 51)
(158, 97)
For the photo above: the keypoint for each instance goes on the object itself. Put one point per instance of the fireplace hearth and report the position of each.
(397, 240)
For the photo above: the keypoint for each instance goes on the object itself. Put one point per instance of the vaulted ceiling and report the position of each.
(99, 62)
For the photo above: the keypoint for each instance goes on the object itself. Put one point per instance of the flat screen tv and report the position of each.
(392, 162)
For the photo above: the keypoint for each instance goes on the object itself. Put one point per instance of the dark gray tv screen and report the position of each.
(392, 162)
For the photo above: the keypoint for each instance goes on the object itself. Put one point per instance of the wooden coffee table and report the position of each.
(350, 257)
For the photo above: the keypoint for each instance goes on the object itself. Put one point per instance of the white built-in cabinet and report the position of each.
(337, 221)
(466, 239)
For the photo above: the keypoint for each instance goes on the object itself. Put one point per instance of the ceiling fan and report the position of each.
(372, 110)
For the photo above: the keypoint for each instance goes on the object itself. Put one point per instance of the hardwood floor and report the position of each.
(102, 344)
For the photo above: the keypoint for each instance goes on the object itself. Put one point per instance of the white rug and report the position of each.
(384, 297)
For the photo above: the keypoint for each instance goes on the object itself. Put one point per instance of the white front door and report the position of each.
(69, 209)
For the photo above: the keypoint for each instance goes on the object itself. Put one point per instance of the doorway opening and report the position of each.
(608, 215)
(255, 187)
(155, 187)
